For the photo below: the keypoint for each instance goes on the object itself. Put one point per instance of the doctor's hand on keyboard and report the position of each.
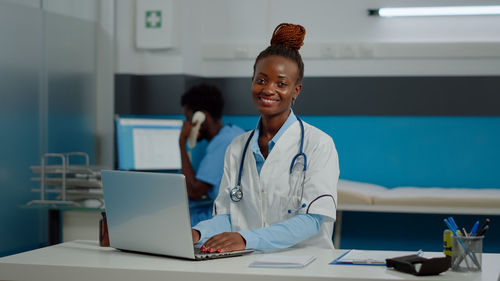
(225, 242)
(196, 235)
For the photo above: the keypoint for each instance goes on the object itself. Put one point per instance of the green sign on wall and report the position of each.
(153, 19)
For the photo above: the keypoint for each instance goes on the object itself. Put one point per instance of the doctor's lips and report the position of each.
(267, 101)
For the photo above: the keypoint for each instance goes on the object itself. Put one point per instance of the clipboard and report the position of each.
(372, 258)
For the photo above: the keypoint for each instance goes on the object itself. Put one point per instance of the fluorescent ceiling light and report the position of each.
(436, 11)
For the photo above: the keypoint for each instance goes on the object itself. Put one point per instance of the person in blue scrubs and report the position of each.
(204, 183)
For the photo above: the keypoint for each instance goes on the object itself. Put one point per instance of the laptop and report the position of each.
(149, 213)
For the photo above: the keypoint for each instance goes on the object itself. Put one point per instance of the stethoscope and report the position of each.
(236, 194)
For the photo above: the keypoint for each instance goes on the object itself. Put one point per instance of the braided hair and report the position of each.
(286, 41)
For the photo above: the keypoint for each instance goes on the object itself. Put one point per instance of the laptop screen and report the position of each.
(148, 143)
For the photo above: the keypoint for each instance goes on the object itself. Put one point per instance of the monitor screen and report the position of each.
(148, 143)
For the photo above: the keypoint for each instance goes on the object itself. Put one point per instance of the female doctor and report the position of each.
(279, 187)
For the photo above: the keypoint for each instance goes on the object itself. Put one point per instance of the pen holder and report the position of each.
(467, 253)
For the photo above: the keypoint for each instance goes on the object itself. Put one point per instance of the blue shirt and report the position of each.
(211, 168)
(211, 165)
(259, 158)
(280, 235)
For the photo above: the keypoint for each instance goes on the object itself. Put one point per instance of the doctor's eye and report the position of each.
(259, 80)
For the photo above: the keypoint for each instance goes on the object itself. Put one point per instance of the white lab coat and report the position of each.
(266, 199)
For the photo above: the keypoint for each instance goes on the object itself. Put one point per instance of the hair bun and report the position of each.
(290, 35)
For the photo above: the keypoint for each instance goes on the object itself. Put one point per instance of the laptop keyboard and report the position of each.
(206, 255)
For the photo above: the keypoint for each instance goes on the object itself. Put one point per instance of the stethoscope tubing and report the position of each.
(301, 150)
(236, 193)
(243, 157)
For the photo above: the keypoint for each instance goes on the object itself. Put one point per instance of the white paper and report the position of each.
(156, 149)
(276, 260)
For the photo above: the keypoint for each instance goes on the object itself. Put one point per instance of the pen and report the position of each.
(452, 222)
(448, 224)
(473, 230)
(451, 226)
(483, 231)
(483, 226)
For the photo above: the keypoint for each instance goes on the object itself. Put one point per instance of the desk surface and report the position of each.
(85, 260)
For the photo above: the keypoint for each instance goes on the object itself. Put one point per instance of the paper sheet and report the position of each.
(156, 149)
(275, 260)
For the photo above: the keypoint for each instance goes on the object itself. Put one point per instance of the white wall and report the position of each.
(132, 60)
(85, 10)
(222, 38)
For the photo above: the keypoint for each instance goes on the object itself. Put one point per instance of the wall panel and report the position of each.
(370, 96)
(48, 104)
(71, 83)
(20, 57)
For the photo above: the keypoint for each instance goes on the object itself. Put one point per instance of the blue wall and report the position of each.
(418, 151)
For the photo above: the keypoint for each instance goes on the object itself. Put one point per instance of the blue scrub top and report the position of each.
(211, 168)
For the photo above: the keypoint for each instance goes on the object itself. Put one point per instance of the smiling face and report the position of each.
(274, 85)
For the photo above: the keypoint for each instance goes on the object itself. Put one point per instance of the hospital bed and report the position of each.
(367, 197)
(360, 196)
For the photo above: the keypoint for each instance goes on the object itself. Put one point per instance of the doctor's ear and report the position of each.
(296, 95)
(298, 88)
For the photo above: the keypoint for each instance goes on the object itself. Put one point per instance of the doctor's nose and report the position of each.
(268, 89)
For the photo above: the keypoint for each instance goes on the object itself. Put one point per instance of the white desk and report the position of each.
(85, 260)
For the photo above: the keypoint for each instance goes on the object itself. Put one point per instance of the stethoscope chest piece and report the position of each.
(236, 194)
